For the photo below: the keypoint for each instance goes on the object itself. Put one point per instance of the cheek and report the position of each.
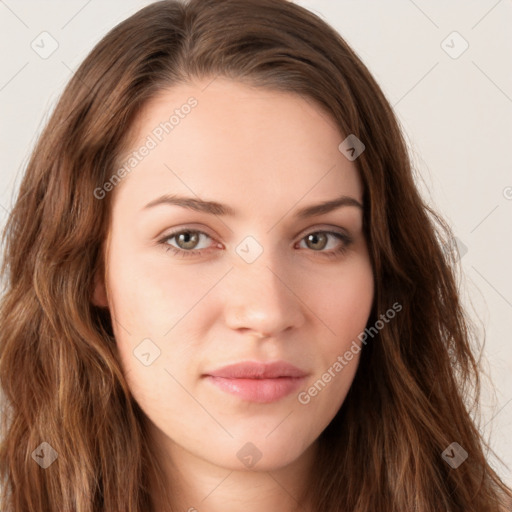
(154, 310)
(149, 297)
(343, 308)
(344, 301)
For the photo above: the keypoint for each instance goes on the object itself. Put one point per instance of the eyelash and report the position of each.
(193, 252)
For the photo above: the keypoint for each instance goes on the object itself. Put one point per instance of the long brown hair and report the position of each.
(418, 379)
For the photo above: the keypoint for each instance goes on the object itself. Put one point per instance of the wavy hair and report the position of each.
(417, 385)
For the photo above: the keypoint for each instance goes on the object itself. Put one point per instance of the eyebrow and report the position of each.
(214, 208)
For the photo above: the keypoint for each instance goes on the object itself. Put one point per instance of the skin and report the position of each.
(266, 154)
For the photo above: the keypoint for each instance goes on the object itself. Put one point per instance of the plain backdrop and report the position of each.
(445, 68)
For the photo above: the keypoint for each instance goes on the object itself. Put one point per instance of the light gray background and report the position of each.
(456, 114)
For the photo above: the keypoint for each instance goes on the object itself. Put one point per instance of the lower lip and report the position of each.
(258, 390)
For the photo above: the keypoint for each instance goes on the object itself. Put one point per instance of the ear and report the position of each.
(99, 294)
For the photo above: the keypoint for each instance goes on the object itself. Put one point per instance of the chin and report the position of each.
(260, 453)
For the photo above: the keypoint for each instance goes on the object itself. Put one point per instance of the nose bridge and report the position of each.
(261, 295)
(260, 269)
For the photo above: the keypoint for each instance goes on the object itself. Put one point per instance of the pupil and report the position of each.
(188, 236)
(314, 238)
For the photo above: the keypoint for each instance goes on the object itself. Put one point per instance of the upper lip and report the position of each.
(257, 370)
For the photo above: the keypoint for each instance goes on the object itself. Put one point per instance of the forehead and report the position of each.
(238, 145)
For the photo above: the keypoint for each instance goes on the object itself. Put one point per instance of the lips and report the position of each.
(258, 382)
(256, 370)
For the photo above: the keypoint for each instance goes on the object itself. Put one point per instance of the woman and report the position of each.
(173, 338)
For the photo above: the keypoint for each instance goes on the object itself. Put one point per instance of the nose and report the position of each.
(263, 297)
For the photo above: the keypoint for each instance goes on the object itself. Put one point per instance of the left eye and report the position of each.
(188, 239)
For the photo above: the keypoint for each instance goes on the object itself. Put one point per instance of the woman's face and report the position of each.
(259, 267)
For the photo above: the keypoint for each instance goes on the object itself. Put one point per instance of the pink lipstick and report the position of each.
(258, 382)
